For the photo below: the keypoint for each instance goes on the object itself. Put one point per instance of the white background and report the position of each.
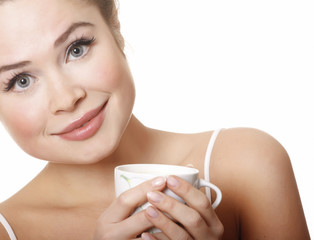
(200, 65)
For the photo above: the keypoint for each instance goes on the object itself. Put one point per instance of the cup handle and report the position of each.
(203, 183)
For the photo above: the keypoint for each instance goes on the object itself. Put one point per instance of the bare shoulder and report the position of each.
(13, 209)
(245, 153)
(3, 233)
(249, 148)
(255, 175)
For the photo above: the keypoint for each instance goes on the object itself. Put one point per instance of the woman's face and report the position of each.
(66, 90)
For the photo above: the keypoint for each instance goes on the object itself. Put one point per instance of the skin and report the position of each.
(73, 197)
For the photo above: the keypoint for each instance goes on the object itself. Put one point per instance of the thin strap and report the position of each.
(7, 227)
(207, 159)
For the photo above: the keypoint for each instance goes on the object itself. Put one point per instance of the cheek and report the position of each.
(22, 122)
(106, 71)
(106, 76)
(19, 125)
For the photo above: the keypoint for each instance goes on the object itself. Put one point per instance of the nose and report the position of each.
(64, 97)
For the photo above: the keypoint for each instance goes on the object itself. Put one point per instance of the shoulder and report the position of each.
(249, 156)
(255, 175)
(3, 233)
(251, 147)
(19, 215)
(251, 140)
(238, 149)
(13, 210)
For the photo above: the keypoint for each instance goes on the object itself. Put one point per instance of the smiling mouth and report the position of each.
(86, 126)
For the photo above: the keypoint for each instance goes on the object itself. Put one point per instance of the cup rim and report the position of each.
(169, 169)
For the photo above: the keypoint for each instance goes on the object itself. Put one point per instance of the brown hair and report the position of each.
(109, 11)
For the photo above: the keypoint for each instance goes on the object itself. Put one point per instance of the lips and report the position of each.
(84, 127)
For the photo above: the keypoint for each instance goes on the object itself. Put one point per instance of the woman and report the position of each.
(67, 97)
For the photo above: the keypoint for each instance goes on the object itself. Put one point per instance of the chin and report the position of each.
(95, 156)
(88, 152)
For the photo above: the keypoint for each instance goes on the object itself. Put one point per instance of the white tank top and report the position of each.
(209, 150)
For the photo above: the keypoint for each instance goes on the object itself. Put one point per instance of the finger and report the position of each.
(167, 226)
(160, 236)
(194, 198)
(157, 236)
(198, 201)
(154, 236)
(125, 204)
(148, 236)
(192, 221)
(135, 224)
(131, 226)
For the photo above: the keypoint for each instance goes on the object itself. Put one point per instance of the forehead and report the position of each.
(27, 24)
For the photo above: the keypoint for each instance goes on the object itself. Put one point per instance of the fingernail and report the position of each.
(155, 197)
(157, 182)
(172, 182)
(152, 212)
(146, 236)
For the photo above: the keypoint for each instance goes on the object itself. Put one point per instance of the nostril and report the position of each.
(78, 101)
(80, 95)
(67, 100)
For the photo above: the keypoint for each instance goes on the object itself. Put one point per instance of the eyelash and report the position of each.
(13, 80)
(79, 42)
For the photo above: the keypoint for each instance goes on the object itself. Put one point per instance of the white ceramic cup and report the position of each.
(131, 175)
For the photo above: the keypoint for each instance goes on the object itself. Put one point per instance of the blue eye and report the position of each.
(78, 49)
(23, 82)
(77, 52)
(19, 83)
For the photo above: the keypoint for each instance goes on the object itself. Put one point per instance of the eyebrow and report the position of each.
(63, 37)
(14, 66)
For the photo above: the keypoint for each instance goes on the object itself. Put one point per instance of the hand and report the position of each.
(116, 222)
(196, 220)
